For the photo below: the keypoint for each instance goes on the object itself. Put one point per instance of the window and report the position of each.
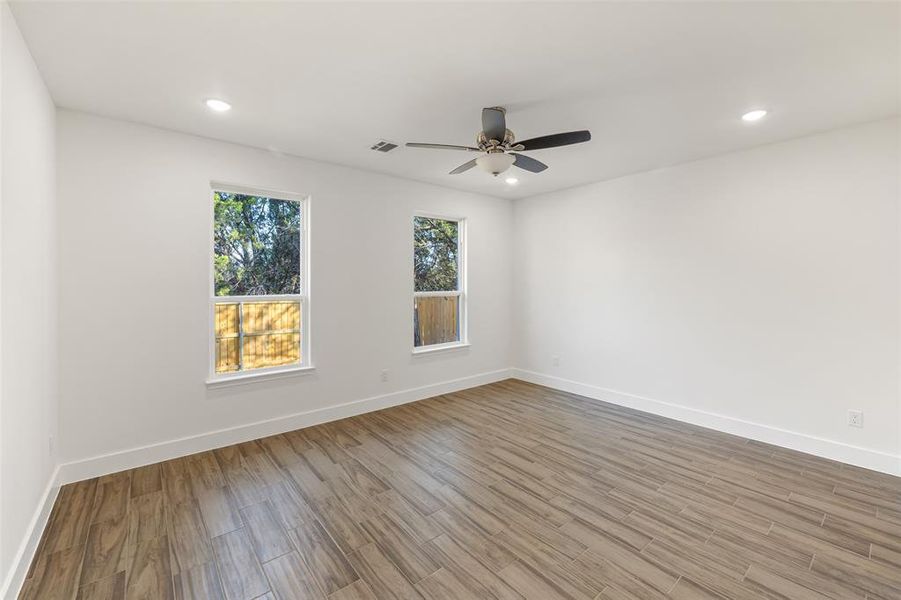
(258, 306)
(439, 306)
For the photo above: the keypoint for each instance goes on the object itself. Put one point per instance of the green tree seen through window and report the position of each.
(435, 248)
(256, 244)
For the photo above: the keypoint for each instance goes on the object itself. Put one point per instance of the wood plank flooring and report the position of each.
(505, 491)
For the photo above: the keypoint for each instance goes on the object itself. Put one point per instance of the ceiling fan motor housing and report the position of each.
(484, 143)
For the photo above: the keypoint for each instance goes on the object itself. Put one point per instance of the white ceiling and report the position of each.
(656, 83)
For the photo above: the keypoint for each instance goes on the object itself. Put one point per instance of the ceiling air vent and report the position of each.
(383, 146)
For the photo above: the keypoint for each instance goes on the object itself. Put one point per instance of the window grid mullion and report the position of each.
(439, 294)
(240, 336)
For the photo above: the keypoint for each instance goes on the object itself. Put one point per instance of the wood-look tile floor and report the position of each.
(504, 491)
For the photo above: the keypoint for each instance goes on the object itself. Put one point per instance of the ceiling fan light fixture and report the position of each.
(495, 162)
(500, 151)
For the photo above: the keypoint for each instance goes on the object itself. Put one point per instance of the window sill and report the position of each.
(245, 378)
(440, 348)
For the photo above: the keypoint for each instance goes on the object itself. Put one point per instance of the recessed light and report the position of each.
(511, 180)
(218, 105)
(754, 115)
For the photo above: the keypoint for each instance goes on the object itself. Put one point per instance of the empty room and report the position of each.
(424, 300)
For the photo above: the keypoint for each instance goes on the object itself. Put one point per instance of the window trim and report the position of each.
(306, 364)
(462, 282)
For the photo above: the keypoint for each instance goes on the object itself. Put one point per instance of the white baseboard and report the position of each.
(846, 453)
(144, 455)
(12, 582)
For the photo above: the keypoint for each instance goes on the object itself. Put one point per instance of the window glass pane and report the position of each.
(436, 320)
(253, 335)
(227, 320)
(270, 350)
(256, 245)
(435, 249)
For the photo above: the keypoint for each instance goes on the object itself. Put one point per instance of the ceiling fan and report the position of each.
(501, 148)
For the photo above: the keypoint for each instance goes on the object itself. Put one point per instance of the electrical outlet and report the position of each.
(384, 374)
(50, 445)
(555, 360)
(855, 418)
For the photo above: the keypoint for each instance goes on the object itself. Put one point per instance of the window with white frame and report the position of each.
(258, 306)
(439, 303)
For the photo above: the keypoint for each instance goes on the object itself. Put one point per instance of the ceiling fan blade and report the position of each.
(529, 164)
(442, 147)
(556, 139)
(464, 167)
(494, 123)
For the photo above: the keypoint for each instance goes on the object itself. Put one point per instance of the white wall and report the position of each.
(28, 295)
(756, 292)
(134, 286)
